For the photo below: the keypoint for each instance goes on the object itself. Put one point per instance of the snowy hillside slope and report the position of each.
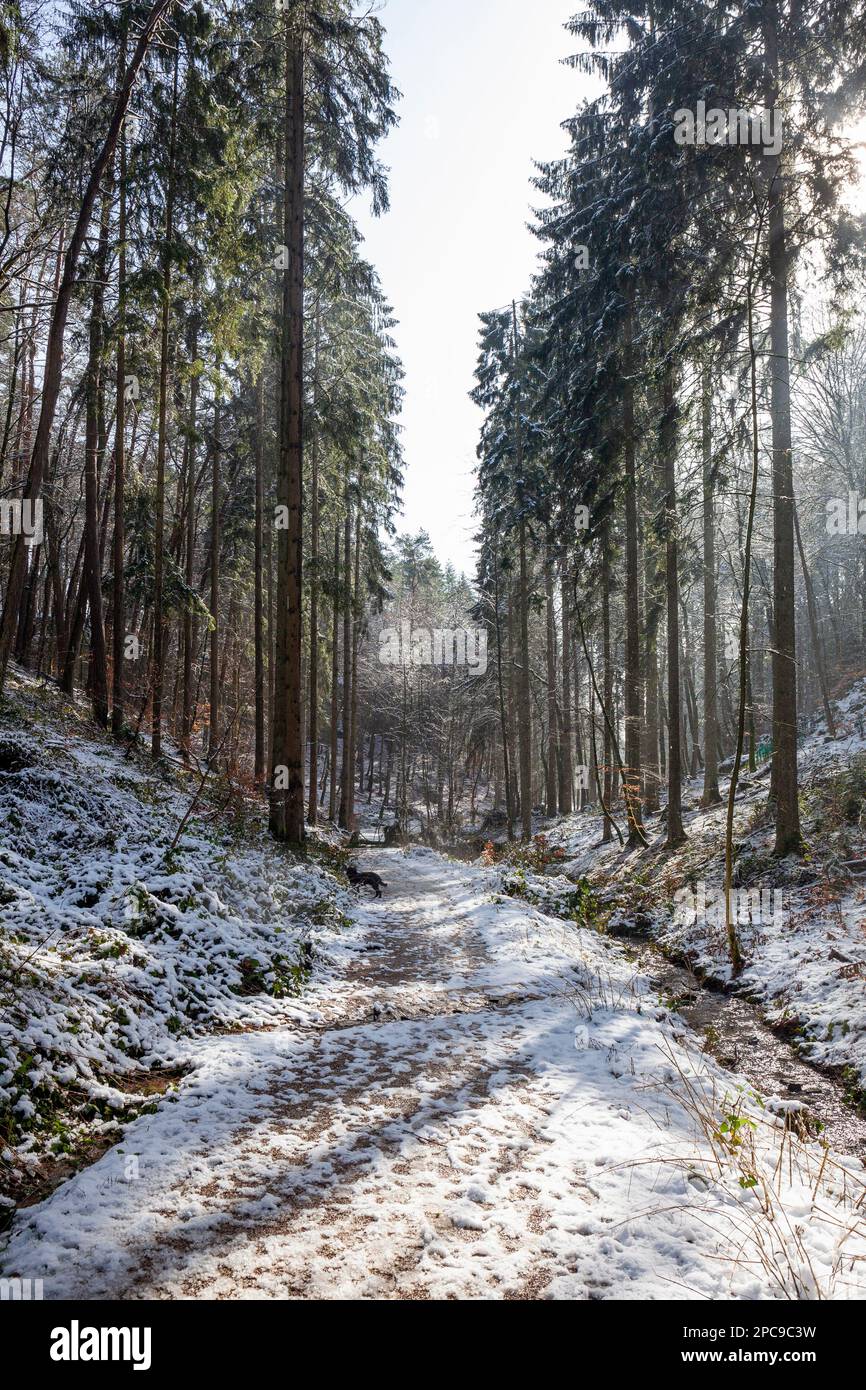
(115, 948)
(803, 927)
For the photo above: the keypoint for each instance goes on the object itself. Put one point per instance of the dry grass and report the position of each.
(777, 1183)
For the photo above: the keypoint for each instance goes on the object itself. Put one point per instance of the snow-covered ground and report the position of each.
(117, 945)
(806, 945)
(490, 1105)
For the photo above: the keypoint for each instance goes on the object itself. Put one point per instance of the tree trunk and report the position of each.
(632, 700)
(512, 699)
(345, 764)
(287, 784)
(260, 755)
(675, 832)
(370, 764)
(335, 671)
(313, 801)
(118, 596)
(607, 679)
(566, 762)
(159, 625)
(213, 735)
(581, 755)
(711, 796)
(731, 926)
(92, 562)
(784, 779)
(356, 637)
(189, 625)
(552, 719)
(817, 646)
(524, 707)
(602, 797)
(503, 713)
(650, 735)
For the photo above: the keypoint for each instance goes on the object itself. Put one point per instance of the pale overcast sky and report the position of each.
(484, 93)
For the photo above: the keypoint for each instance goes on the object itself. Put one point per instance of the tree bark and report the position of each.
(118, 596)
(159, 624)
(287, 782)
(566, 761)
(189, 625)
(551, 779)
(335, 671)
(632, 693)
(675, 832)
(817, 646)
(784, 776)
(92, 561)
(503, 714)
(213, 736)
(524, 707)
(356, 637)
(313, 800)
(711, 796)
(260, 754)
(345, 763)
(607, 683)
(731, 926)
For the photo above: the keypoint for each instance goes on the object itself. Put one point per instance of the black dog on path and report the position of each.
(359, 881)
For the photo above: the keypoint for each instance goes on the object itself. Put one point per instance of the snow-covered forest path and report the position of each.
(449, 1124)
(356, 1158)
